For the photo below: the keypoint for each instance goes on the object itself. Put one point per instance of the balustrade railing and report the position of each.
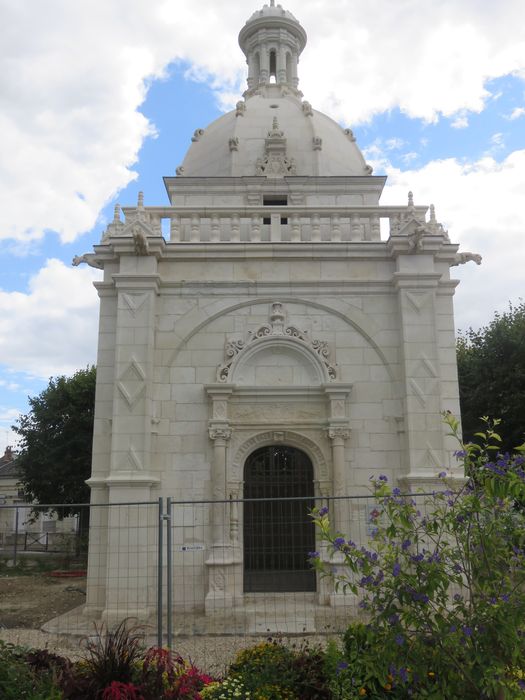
(280, 224)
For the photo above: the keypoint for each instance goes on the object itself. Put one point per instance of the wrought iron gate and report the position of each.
(278, 532)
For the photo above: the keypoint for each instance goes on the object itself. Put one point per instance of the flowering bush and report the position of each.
(443, 585)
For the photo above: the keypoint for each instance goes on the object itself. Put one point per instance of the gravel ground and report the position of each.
(27, 602)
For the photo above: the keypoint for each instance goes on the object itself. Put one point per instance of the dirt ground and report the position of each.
(29, 601)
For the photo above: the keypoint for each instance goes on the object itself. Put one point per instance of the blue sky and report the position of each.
(104, 100)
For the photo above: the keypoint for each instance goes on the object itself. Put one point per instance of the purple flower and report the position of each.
(442, 475)
(460, 454)
(399, 640)
(505, 597)
(397, 569)
(467, 631)
(313, 555)
(396, 491)
(382, 477)
(323, 510)
(339, 542)
(341, 666)
(405, 545)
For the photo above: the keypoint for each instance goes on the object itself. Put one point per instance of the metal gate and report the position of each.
(278, 533)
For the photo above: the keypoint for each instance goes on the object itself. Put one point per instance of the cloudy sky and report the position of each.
(99, 99)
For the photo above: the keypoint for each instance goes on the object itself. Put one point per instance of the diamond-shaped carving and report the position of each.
(134, 302)
(132, 382)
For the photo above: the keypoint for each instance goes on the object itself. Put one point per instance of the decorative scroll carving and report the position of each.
(275, 165)
(317, 142)
(240, 108)
(350, 134)
(233, 143)
(275, 328)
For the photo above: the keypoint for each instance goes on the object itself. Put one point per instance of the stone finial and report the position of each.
(140, 200)
(433, 214)
(272, 3)
(116, 214)
(410, 200)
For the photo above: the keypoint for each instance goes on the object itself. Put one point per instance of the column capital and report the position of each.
(219, 433)
(338, 433)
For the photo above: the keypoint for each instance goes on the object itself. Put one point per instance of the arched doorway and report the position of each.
(278, 533)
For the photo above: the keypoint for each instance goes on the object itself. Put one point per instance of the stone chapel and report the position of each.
(273, 321)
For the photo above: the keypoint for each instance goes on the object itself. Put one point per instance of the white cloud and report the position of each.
(51, 329)
(70, 127)
(481, 205)
(516, 113)
(460, 122)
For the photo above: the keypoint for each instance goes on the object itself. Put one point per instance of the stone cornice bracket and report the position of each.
(276, 328)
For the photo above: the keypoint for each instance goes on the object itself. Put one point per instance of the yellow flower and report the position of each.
(362, 692)
(431, 674)
(387, 686)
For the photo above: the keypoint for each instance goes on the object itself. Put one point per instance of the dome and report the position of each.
(244, 142)
(273, 132)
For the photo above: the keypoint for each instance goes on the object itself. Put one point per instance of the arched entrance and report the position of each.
(278, 533)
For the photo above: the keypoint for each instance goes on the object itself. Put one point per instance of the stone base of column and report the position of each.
(224, 578)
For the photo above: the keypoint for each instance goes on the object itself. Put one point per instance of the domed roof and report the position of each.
(273, 132)
(240, 143)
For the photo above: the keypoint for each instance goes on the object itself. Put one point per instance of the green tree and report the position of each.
(56, 441)
(491, 369)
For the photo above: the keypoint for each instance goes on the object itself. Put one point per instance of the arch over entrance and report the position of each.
(278, 533)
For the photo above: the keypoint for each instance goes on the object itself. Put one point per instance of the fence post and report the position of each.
(15, 551)
(169, 574)
(160, 566)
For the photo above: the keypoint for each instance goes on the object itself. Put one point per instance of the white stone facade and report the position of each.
(264, 306)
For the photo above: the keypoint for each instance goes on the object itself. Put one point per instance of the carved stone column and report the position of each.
(224, 562)
(338, 436)
(220, 527)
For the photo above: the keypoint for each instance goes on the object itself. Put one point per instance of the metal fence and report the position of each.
(221, 571)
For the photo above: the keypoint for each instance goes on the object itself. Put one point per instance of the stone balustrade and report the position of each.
(279, 224)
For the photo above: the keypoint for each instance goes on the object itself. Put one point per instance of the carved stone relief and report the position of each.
(276, 328)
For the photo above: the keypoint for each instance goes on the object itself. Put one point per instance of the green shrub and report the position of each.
(444, 590)
(19, 680)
